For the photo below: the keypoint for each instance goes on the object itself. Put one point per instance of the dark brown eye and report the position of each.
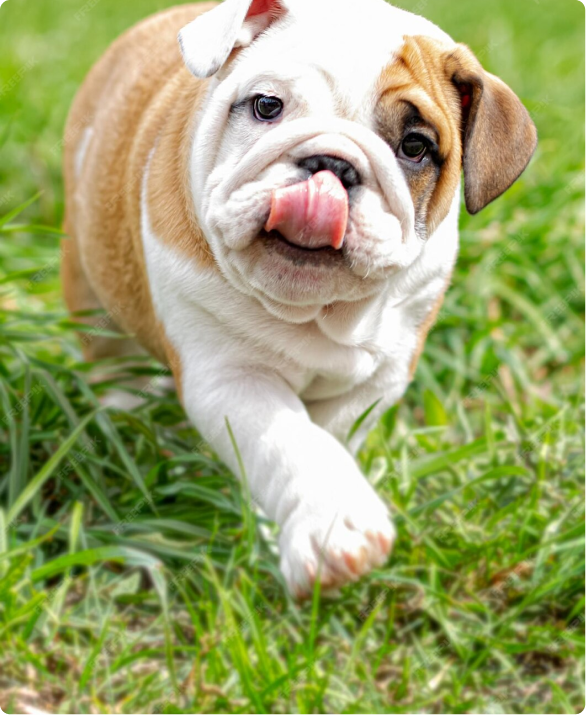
(414, 147)
(267, 109)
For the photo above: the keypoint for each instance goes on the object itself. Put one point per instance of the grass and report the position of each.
(134, 579)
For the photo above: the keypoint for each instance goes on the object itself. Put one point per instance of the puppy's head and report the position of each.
(331, 143)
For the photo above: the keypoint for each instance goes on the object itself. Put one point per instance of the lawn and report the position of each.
(134, 578)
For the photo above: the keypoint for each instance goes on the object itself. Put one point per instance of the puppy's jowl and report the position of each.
(271, 207)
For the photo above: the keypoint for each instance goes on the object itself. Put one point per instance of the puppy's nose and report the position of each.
(340, 167)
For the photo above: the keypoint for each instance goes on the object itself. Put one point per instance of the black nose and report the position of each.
(340, 167)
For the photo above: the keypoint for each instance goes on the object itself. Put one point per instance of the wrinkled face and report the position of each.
(328, 153)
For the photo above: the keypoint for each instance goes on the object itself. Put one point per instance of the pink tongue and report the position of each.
(312, 214)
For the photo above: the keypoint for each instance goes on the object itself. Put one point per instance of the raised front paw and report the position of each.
(340, 540)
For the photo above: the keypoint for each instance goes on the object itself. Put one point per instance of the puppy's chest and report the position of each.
(336, 373)
(319, 368)
(317, 387)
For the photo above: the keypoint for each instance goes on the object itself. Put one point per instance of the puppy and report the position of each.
(270, 206)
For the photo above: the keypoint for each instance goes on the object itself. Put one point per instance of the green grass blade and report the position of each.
(41, 477)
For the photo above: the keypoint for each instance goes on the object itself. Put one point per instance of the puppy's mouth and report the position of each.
(275, 242)
(310, 215)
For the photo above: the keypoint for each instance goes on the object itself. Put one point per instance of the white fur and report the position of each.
(206, 42)
(293, 364)
(81, 150)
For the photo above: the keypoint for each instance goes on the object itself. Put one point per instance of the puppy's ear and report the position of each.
(498, 135)
(206, 43)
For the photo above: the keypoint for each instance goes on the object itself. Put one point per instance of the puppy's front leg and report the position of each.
(298, 473)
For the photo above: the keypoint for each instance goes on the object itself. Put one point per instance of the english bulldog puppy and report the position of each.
(270, 207)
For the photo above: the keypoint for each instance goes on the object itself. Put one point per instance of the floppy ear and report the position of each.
(498, 135)
(206, 43)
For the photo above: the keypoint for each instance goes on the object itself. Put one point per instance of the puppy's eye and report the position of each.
(414, 147)
(267, 109)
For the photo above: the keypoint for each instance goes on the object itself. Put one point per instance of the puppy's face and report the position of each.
(332, 141)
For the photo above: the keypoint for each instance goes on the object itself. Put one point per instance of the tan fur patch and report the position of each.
(138, 93)
(170, 202)
(415, 88)
(479, 122)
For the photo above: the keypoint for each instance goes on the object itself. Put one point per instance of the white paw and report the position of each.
(340, 540)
